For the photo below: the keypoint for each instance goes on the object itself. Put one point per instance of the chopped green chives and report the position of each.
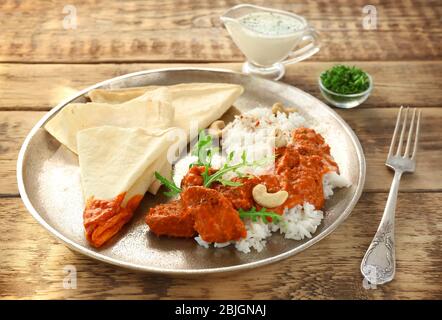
(345, 80)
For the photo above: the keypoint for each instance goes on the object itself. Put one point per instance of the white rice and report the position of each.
(253, 132)
(333, 180)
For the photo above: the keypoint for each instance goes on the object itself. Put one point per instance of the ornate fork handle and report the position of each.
(379, 263)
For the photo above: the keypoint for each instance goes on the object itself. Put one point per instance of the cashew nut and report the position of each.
(268, 200)
(280, 139)
(279, 107)
(216, 128)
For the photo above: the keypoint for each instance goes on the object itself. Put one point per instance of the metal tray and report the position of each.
(49, 183)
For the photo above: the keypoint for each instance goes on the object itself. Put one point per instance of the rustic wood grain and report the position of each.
(374, 128)
(14, 127)
(41, 63)
(191, 31)
(32, 262)
(42, 86)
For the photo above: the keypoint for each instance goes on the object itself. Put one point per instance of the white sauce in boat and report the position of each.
(271, 24)
(266, 37)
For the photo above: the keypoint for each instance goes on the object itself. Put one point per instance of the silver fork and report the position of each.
(379, 263)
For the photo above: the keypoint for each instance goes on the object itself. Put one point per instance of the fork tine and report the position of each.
(410, 130)
(416, 139)
(401, 138)
(395, 131)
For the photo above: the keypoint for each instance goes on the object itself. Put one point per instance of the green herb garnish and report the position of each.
(229, 183)
(173, 188)
(204, 151)
(345, 80)
(263, 214)
(218, 175)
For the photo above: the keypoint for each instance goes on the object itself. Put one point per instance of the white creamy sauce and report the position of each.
(271, 24)
(266, 37)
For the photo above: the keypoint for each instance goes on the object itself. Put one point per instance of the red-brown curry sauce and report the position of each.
(299, 169)
(104, 218)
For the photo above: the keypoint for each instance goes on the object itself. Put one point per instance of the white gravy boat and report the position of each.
(267, 51)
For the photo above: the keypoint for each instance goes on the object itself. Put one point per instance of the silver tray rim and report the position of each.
(136, 267)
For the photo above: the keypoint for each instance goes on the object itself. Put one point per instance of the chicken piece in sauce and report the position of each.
(309, 143)
(303, 186)
(240, 196)
(193, 177)
(301, 166)
(171, 219)
(216, 220)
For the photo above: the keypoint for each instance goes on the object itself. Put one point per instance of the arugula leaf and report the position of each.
(263, 214)
(204, 151)
(174, 189)
(229, 183)
(217, 176)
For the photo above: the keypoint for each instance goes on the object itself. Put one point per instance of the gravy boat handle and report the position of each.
(307, 51)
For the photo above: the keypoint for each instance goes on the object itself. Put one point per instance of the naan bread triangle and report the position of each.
(151, 110)
(196, 105)
(117, 166)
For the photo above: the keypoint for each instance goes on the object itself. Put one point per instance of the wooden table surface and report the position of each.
(41, 62)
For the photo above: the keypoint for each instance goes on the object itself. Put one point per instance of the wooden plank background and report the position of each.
(41, 63)
(396, 83)
(150, 30)
(328, 270)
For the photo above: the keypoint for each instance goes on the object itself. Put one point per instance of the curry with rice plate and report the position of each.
(218, 198)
